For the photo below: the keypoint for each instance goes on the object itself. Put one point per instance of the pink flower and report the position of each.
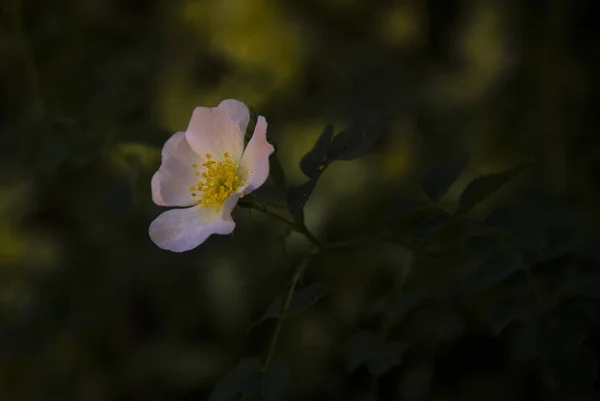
(206, 169)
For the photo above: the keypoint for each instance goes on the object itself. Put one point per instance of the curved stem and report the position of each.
(298, 273)
(299, 227)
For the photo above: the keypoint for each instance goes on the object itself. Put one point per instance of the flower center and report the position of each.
(217, 182)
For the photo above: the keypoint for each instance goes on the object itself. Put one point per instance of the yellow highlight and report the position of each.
(220, 181)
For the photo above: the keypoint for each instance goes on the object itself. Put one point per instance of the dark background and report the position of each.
(91, 309)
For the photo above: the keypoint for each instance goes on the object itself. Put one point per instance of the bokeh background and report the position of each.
(91, 309)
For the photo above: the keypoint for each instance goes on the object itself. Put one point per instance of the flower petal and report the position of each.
(237, 111)
(255, 161)
(211, 130)
(171, 183)
(180, 230)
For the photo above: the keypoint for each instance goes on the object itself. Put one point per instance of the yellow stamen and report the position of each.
(220, 180)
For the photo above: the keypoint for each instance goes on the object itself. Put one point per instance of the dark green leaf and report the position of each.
(357, 139)
(494, 269)
(416, 383)
(571, 365)
(358, 349)
(429, 226)
(407, 301)
(385, 356)
(299, 195)
(439, 179)
(437, 320)
(510, 310)
(588, 286)
(561, 241)
(275, 381)
(524, 344)
(401, 208)
(244, 378)
(307, 297)
(482, 187)
(314, 159)
(520, 223)
(482, 246)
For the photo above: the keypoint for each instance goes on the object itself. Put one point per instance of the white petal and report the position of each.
(237, 111)
(211, 130)
(255, 161)
(171, 183)
(180, 230)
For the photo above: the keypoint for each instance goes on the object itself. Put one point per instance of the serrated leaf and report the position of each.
(307, 297)
(356, 140)
(244, 378)
(406, 301)
(275, 381)
(494, 269)
(385, 356)
(416, 383)
(314, 159)
(358, 349)
(438, 180)
(299, 195)
(482, 187)
(508, 311)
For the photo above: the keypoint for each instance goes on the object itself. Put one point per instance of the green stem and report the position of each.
(299, 226)
(298, 273)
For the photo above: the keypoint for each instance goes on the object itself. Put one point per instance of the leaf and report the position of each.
(307, 297)
(366, 347)
(416, 382)
(439, 179)
(314, 159)
(482, 246)
(244, 378)
(520, 223)
(509, 310)
(429, 226)
(401, 208)
(275, 381)
(357, 139)
(406, 301)
(299, 195)
(588, 286)
(494, 269)
(482, 187)
(358, 349)
(571, 365)
(560, 241)
(385, 356)
(524, 344)
(437, 320)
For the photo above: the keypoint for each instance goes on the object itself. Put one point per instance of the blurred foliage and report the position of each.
(449, 277)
